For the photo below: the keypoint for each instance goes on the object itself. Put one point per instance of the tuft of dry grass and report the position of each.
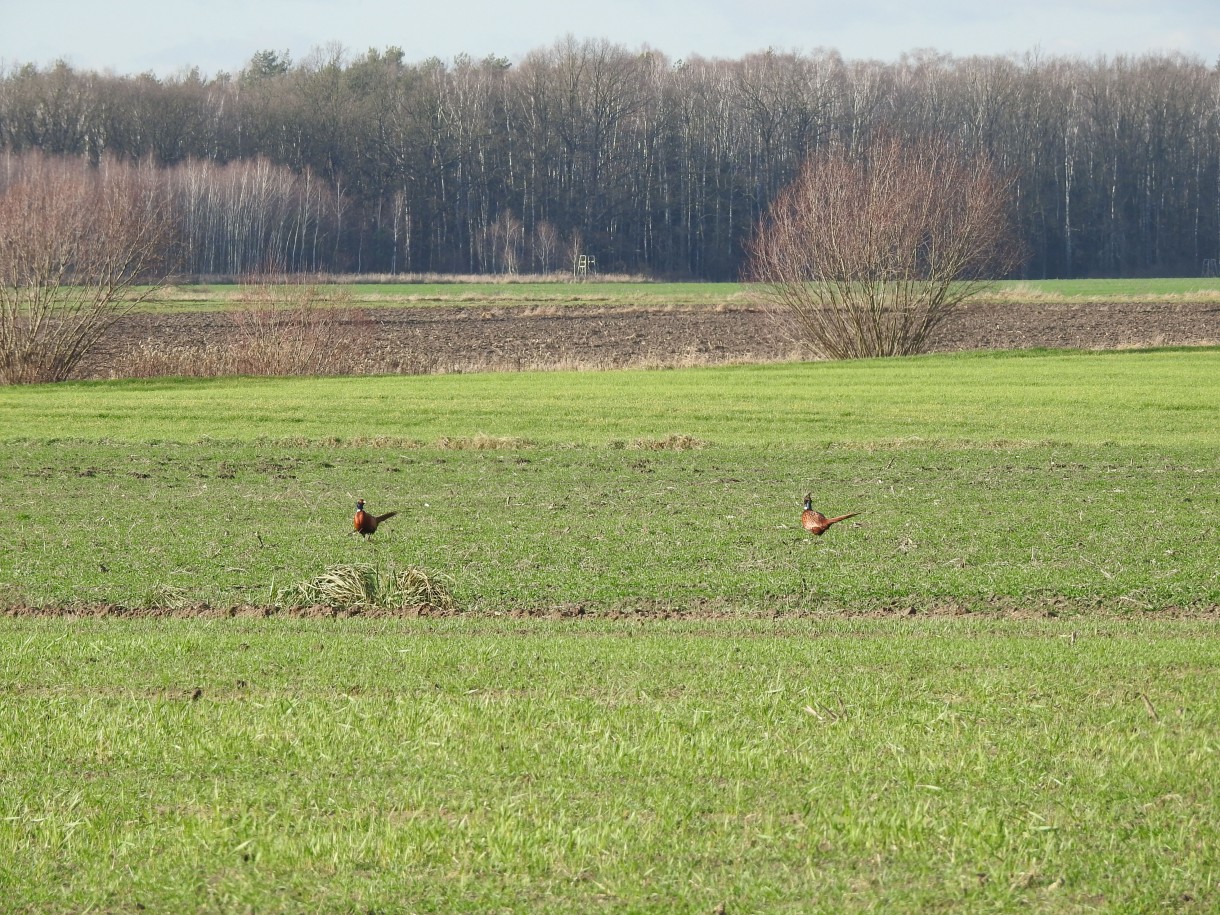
(167, 596)
(484, 442)
(356, 588)
(671, 442)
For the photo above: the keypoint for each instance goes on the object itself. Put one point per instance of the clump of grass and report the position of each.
(362, 588)
(671, 442)
(336, 441)
(483, 442)
(12, 596)
(168, 596)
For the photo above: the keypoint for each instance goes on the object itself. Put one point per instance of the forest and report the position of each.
(370, 163)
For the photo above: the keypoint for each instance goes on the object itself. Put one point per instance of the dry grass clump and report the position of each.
(362, 588)
(381, 441)
(672, 442)
(168, 596)
(484, 442)
(396, 442)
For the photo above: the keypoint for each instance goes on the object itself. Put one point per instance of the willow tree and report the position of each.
(866, 254)
(75, 240)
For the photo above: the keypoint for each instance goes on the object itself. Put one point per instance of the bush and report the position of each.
(74, 241)
(865, 255)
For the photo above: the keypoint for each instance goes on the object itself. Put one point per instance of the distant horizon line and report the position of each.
(336, 51)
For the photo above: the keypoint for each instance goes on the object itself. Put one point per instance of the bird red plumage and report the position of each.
(817, 523)
(365, 523)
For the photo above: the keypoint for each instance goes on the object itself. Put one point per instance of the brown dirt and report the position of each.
(1045, 607)
(422, 340)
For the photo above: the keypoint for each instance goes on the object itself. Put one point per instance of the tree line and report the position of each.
(371, 163)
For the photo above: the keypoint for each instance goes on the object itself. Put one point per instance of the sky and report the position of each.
(169, 37)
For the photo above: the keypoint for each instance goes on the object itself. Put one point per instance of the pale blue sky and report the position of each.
(167, 36)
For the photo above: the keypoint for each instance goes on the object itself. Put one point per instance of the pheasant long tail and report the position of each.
(830, 521)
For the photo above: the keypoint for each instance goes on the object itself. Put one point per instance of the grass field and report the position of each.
(476, 765)
(1155, 398)
(548, 295)
(1018, 477)
(1040, 734)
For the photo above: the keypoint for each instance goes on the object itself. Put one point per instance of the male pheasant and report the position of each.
(817, 523)
(365, 523)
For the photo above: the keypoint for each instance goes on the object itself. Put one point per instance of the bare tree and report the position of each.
(508, 234)
(866, 255)
(546, 243)
(74, 241)
(575, 248)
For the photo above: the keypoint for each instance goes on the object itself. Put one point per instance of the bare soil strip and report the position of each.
(706, 610)
(427, 340)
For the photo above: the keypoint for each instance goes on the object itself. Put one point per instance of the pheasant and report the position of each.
(817, 523)
(366, 523)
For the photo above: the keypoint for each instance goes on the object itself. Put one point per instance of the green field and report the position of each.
(481, 765)
(1018, 477)
(1156, 398)
(994, 690)
(197, 297)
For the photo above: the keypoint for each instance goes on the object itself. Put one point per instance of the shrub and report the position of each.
(74, 241)
(866, 255)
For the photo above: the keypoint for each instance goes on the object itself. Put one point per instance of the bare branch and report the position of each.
(867, 255)
(74, 242)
